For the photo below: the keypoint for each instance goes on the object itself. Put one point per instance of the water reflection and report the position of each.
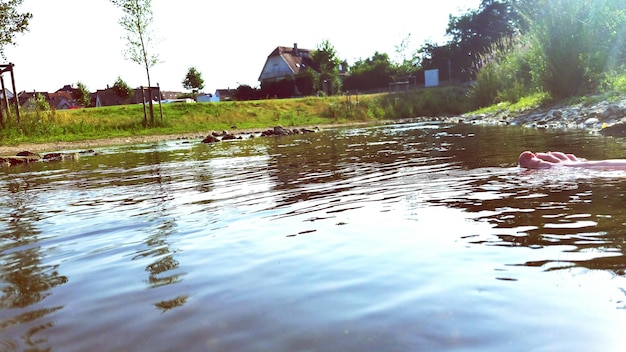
(578, 210)
(158, 188)
(25, 278)
(309, 240)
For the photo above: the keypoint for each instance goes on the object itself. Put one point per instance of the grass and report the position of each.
(40, 124)
(528, 102)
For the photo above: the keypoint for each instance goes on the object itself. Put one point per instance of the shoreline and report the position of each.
(47, 147)
(50, 147)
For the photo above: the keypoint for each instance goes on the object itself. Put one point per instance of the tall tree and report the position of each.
(472, 34)
(81, 94)
(139, 37)
(327, 63)
(11, 23)
(193, 80)
(371, 73)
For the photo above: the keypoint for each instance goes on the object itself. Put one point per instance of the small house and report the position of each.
(285, 62)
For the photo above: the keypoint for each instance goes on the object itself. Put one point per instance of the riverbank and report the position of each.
(593, 113)
(10, 150)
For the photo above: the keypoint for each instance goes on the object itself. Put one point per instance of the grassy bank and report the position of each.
(40, 124)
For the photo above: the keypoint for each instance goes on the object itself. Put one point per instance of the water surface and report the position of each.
(408, 237)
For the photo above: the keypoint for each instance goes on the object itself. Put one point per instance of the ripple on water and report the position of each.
(395, 237)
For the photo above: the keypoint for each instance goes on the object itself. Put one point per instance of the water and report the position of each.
(409, 237)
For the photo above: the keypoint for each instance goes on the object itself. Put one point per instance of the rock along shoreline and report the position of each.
(604, 117)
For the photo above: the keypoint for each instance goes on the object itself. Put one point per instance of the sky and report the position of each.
(226, 41)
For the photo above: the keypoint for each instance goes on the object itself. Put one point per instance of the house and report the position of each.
(207, 98)
(109, 97)
(225, 94)
(24, 96)
(61, 100)
(285, 62)
(169, 95)
(7, 93)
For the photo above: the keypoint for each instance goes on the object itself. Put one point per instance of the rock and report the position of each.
(228, 137)
(60, 156)
(616, 130)
(30, 155)
(16, 160)
(210, 139)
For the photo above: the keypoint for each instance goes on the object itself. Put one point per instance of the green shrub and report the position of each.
(504, 74)
(576, 42)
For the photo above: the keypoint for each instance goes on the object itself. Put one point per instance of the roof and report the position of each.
(61, 99)
(24, 96)
(298, 59)
(108, 97)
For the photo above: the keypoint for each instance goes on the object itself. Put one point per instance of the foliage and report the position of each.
(371, 73)
(122, 121)
(327, 64)
(279, 89)
(305, 82)
(426, 102)
(576, 43)
(193, 80)
(504, 74)
(37, 104)
(472, 34)
(139, 37)
(245, 92)
(122, 89)
(81, 94)
(11, 23)
(406, 62)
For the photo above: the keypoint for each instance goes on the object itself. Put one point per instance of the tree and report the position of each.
(11, 23)
(139, 38)
(245, 92)
(122, 89)
(406, 61)
(81, 94)
(193, 80)
(473, 34)
(371, 73)
(327, 64)
(577, 43)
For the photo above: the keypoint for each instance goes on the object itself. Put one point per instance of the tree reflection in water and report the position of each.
(25, 280)
(157, 243)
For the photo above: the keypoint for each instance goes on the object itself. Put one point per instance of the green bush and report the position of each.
(504, 74)
(575, 42)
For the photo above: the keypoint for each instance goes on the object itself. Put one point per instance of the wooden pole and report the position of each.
(160, 107)
(143, 102)
(17, 102)
(4, 104)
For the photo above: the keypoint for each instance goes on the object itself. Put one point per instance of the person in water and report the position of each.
(530, 160)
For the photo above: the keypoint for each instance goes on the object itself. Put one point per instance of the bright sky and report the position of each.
(227, 41)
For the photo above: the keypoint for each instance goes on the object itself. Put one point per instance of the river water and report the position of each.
(405, 237)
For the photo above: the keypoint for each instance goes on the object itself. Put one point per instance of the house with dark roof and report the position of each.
(225, 94)
(61, 100)
(285, 62)
(109, 97)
